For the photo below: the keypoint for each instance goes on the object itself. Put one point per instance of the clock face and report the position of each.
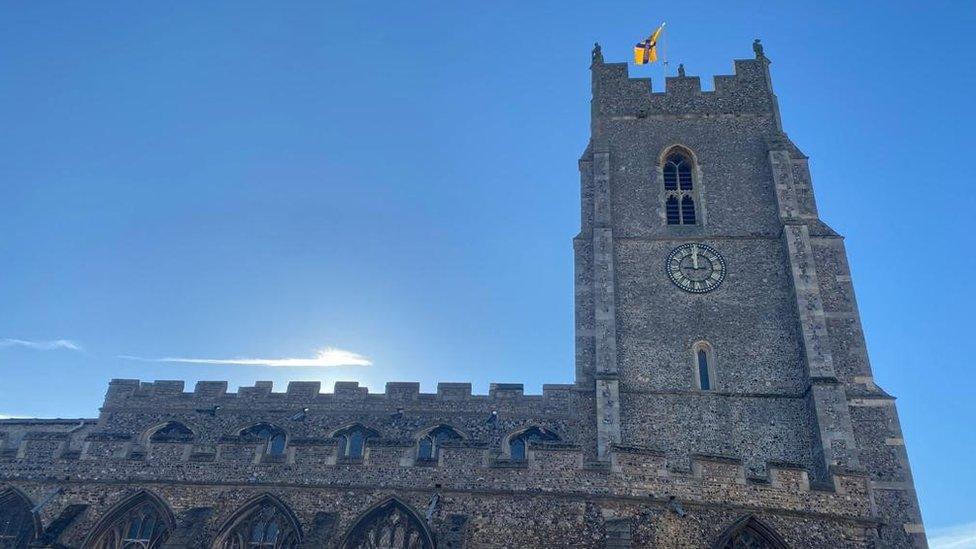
(696, 268)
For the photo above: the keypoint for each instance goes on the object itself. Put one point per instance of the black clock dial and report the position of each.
(696, 268)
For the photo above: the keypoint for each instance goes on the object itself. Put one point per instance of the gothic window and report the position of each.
(273, 437)
(429, 445)
(390, 525)
(265, 523)
(174, 431)
(17, 526)
(749, 533)
(140, 522)
(679, 189)
(518, 444)
(352, 441)
(703, 360)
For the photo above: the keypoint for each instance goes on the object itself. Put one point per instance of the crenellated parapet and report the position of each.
(746, 91)
(131, 392)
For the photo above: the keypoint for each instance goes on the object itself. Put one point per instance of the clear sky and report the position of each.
(397, 180)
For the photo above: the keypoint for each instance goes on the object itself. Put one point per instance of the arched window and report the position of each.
(389, 525)
(263, 523)
(139, 522)
(749, 533)
(352, 441)
(703, 360)
(679, 188)
(173, 431)
(17, 524)
(518, 444)
(429, 445)
(273, 437)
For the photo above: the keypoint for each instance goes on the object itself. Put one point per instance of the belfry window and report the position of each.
(679, 189)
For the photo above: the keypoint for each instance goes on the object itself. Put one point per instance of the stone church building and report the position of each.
(723, 395)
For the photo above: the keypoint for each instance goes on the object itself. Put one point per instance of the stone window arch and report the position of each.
(18, 524)
(352, 441)
(430, 442)
(140, 521)
(274, 438)
(749, 533)
(171, 431)
(703, 366)
(390, 524)
(265, 522)
(518, 442)
(681, 179)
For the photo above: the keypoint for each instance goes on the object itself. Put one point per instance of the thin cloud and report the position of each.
(954, 537)
(49, 345)
(328, 357)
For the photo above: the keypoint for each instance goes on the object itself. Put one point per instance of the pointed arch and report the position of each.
(389, 524)
(140, 521)
(682, 179)
(170, 431)
(264, 522)
(352, 440)
(518, 442)
(275, 438)
(749, 533)
(19, 524)
(430, 440)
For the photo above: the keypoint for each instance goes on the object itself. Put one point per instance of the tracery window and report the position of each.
(273, 437)
(173, 431)
(137, 523)
(518, 445)
(391, 525)
(264, 523)
(352, 441)
(429, 445)
(679, 188)
(17, 526)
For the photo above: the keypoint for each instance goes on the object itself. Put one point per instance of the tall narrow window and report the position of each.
(703, 361)
(703, 381)
(679, 187)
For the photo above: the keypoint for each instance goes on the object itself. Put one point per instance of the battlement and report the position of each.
(122, 391)
(747, 91)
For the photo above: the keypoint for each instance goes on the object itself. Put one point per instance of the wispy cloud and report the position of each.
(954, 537)
(49, 345)
(327, 357)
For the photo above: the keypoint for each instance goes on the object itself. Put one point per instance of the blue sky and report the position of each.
(398, 181)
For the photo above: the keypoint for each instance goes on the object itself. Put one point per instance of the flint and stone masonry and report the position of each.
(784, 440)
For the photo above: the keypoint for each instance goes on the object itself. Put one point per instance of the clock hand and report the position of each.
(694, 255)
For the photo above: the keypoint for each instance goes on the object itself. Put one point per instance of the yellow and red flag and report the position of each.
(645, 52)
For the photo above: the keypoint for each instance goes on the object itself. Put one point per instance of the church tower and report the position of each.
(715, 313)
